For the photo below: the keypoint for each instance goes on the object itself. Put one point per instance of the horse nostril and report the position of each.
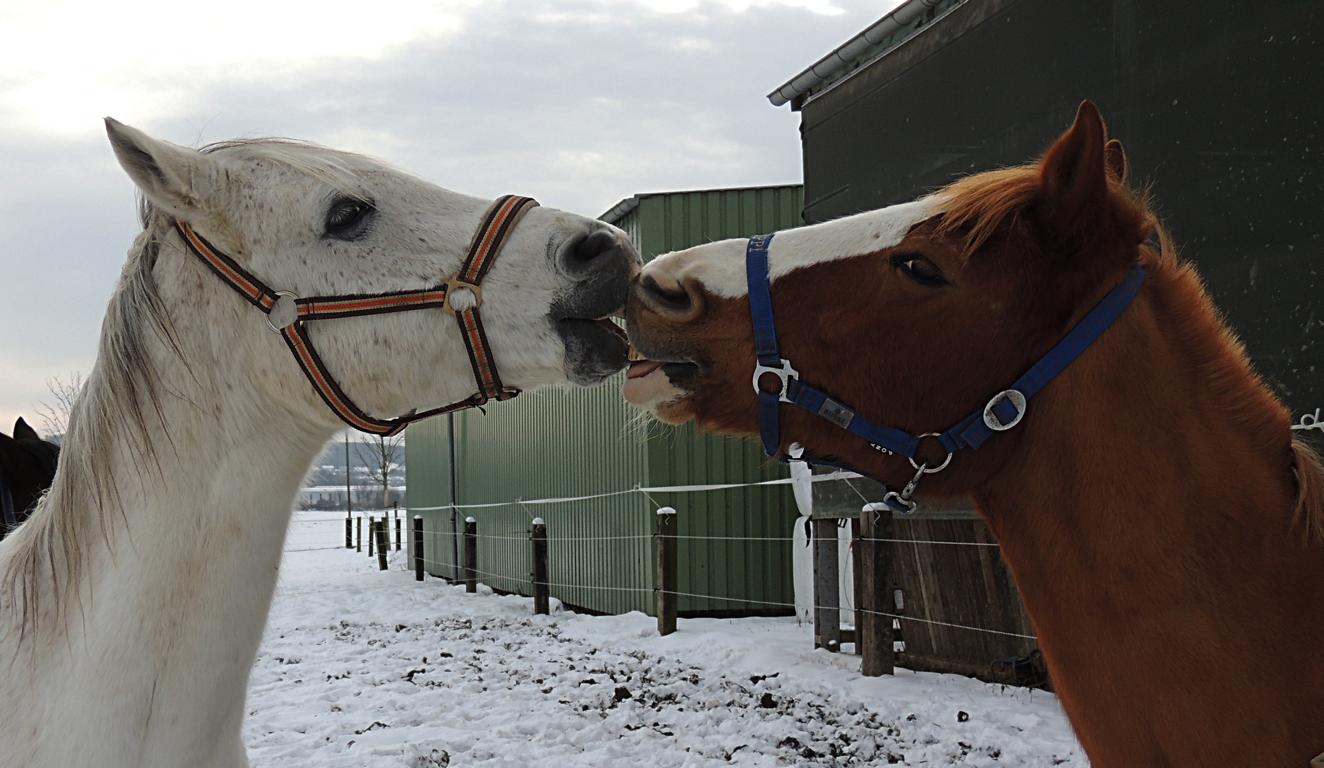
(671, 298)
(586, 253)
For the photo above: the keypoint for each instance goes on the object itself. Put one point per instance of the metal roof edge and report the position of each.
(623, 208)
(620, 210)
(846, 57)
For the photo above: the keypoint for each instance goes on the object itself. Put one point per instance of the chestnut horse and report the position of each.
(1162, 524)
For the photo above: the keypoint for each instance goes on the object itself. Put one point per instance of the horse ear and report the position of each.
(1074, 172)
(23, 432)
(177, 179)
(1116, 158)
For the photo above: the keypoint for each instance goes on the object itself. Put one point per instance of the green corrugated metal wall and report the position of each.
(583, 442)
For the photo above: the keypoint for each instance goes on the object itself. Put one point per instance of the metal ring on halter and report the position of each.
(294, 314)
(784, 373)
(924, 468)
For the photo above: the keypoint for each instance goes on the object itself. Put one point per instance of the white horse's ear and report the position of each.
(179, 180)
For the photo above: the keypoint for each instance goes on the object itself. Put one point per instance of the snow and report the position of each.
(367, 668)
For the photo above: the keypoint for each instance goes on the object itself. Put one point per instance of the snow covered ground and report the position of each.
(365, 668)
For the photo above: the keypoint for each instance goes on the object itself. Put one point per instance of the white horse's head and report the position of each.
(318, 222)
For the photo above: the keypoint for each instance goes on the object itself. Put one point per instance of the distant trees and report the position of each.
(382, 456)
(54, 413)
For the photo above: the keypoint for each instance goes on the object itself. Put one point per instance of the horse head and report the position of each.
(27, 466)
(913, 315)
(307, 233)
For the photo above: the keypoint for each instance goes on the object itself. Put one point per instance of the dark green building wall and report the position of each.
(1216, 101)
(561, 443)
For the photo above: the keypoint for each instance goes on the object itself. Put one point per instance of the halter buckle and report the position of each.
(1017, 400)
(455, 288)
(288, 317)
(784, 373)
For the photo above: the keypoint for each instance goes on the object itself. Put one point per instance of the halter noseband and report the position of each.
(460, 296)
(1002, 412)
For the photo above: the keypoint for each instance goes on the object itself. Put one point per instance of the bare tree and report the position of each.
(54, 414)
(381, 455)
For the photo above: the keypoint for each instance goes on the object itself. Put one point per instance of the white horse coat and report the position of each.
(133, 602)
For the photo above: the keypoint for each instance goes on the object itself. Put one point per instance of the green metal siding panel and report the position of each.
(551, 444)
(427, 484)
(581, 442)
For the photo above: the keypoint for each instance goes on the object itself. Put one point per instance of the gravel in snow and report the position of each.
(366, 668)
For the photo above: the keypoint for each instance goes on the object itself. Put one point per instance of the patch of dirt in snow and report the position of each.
(424, 676)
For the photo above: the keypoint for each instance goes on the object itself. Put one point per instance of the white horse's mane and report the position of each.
(122, 393)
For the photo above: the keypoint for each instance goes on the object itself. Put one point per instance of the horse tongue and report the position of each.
(641, 368)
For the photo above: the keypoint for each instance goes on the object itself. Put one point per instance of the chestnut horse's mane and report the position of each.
(981, 205)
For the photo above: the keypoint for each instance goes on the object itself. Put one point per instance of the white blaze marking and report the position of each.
(720, 267)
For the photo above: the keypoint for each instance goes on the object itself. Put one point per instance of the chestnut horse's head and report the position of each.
(914, 315)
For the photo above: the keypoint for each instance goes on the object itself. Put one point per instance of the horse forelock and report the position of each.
(977, 207)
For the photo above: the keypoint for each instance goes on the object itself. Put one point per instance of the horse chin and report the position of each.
(594, 349)
(653, 387)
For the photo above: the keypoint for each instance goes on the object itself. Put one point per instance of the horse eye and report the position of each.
(919, 269)
(348, 218)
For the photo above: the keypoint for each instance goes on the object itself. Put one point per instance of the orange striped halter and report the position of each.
(460, 296)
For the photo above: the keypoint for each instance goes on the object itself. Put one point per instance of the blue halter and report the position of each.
(1002, 412)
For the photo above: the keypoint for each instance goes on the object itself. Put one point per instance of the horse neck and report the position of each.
(1151, 509)
(179, 563)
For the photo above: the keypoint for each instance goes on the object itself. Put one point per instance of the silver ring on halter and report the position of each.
(1017, 400)
(924, 469)
(293, 311)
(784, 373)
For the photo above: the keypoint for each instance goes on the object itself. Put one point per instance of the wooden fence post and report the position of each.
(349, 531)
(541, 591)
(381, 544)
(358, 533)
(397, 532)
(827, 588)
(418, 547)
(470, 555)
(665, 543)
(372, 533)
(875, 596)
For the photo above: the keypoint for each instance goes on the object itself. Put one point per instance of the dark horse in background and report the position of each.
(27, 466)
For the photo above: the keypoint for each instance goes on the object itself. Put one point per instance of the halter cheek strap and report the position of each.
(461, 296)
(1002, 412)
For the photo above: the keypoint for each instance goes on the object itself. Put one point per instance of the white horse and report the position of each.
(133, 601)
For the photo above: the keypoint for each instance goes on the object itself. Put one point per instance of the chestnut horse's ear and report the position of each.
(1116, 158)
(1074, 176)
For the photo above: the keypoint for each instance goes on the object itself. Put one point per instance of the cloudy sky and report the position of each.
(577, 102)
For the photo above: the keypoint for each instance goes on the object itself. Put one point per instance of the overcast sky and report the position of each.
(576, 102)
